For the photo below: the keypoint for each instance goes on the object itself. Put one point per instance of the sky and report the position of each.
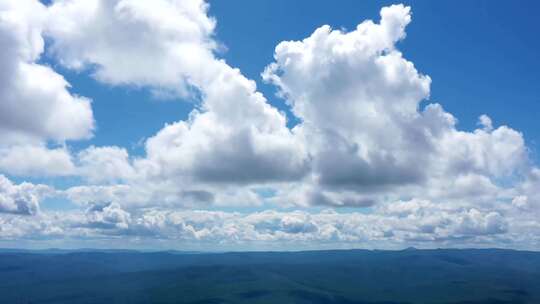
(268, 125)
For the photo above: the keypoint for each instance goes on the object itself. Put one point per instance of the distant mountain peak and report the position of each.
(410, 249)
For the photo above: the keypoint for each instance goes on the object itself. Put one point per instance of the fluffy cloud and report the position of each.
(164, 44)
(34, 100)
(411, 222)
(236, 137)
(35, 103)
(106, 216)
(363, 137)
(437, 221)
(36, 160)
(359, 102)
(104, 164)
(166, 194)
(20, 199)
(528, 193)
(233, 135)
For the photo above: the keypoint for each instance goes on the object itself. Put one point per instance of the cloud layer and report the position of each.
(20, 199)
(397, 225)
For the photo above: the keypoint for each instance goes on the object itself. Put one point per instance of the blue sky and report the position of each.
(410, 173)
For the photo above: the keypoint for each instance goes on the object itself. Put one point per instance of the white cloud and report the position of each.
(357, 98)
(107, 216)
(485, 122)
(20, 199)
(527, 199)
(36, 106)
(521, 201)
(36, 160)
(359, 102)
(233, 136)
(164, 44)
(91, 194)
(497, 153)
(422, 224)
(362, 139)
(236, 137)
(35, 103)
(104, 164)
(167, 194)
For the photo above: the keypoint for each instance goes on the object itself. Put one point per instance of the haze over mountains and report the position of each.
(443, 276)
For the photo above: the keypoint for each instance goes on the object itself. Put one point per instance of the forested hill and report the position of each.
(472, 276)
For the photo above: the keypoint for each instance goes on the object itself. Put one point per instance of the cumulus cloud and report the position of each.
(528, 193)
(166, 194)
(233, 135)
(22, 198)
(163, 44)
(104, 164)
(420, 223)
(363, 136)
(35, 101)
(439, 221)
(359, 102)
(236, 137)
(36, 105)
(106, 216)
(36, 160)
